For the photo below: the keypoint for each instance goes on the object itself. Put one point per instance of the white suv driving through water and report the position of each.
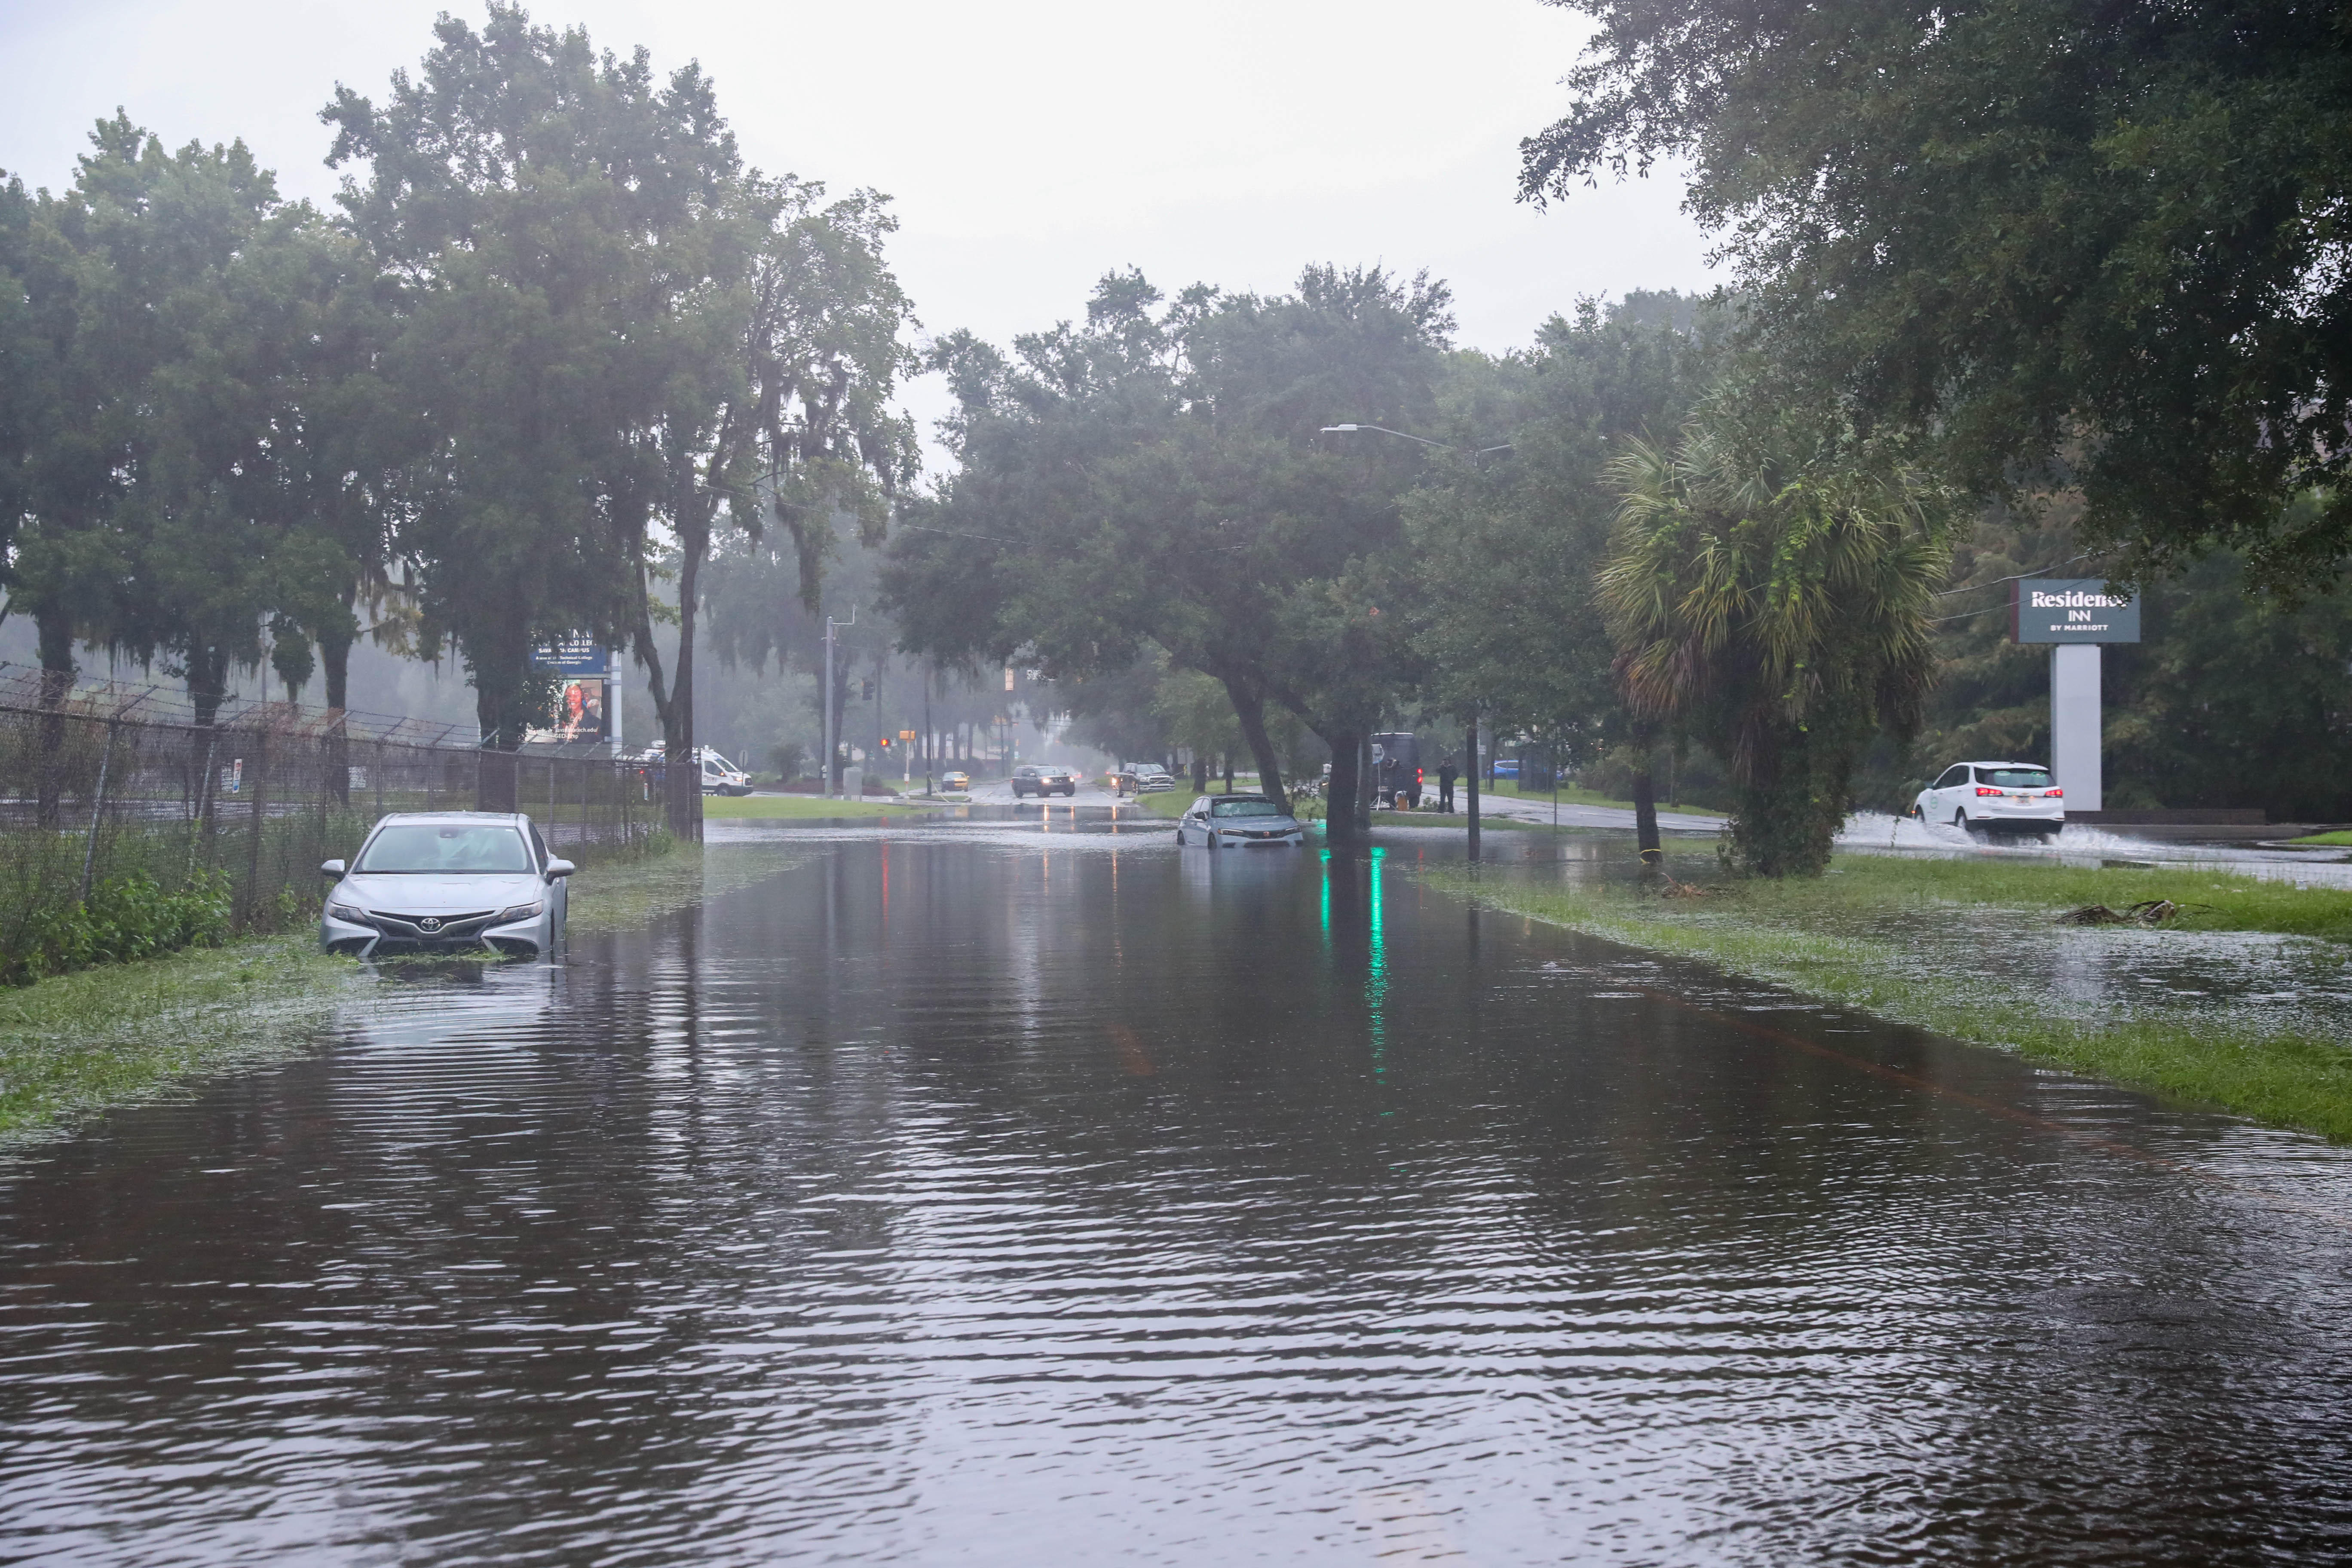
(1994, 798)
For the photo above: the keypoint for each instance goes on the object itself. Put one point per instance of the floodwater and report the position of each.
(964, 1193)
(2082, 844)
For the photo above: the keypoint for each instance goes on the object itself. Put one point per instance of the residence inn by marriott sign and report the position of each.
(2071, 610)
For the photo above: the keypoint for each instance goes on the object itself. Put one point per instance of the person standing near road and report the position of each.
(1446, 773)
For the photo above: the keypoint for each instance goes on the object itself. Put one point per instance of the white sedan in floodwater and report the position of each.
(1238, 822)
(448, 881)
(1994, 798)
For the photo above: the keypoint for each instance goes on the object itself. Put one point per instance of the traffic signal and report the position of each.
(885, 743)
(865, 691)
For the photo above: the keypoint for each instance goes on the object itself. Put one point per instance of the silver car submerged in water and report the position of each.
(448, 881)
(1239, 821)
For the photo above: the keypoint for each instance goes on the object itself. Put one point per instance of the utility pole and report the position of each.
(831, 740)
(1470, 772)
(929, 736)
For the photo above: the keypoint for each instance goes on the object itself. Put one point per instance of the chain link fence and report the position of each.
(109, 787)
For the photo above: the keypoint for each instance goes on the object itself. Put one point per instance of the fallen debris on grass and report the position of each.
(2146, 912)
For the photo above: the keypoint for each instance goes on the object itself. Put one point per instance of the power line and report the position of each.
(2022, 576)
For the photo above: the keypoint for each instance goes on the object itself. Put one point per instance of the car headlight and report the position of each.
(521, 912)
(351, 912)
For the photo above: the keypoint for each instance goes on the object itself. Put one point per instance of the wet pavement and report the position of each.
(969, 1192)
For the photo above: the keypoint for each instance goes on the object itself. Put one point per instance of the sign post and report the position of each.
(2074, 616)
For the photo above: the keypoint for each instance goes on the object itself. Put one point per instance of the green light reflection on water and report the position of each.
(1376, 978)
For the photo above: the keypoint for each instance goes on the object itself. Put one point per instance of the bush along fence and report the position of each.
(128, 827)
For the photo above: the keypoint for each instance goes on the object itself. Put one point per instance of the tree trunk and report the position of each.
(494, 766)
(1368, 784)
(1229, 773)
(335, 656)
(207, 683)
(1339, 818)
(57, 671)
(1249, 707)
(1645, 813)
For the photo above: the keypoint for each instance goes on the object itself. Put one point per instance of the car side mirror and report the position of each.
(331, 868)
(559, 868)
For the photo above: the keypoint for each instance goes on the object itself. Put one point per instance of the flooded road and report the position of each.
(957, 1194)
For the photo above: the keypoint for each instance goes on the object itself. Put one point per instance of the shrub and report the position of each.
(125, 918)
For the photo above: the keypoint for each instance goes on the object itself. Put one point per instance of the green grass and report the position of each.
(1170, 803)
(809, 805)
(2340, 836)
(1855, 937)
(125, 1033)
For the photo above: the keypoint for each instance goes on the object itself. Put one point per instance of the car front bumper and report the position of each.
(385, 935)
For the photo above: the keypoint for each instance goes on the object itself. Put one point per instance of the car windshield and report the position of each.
(2016, 778)
(444, 846)
(1245, 808)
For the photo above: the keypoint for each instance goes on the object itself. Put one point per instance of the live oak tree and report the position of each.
(154, 518)
(2073, 239)
(1156, 478)
(776, 411)
(611, 334)
(536, 204)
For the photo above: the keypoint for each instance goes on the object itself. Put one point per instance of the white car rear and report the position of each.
(1994, 798)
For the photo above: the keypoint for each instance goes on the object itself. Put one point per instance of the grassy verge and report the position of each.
(129, 1032)
(2340, 838)
(1854, 938)
(809, 805)
(1461, 820)
(1572, 794)
(1170, 803)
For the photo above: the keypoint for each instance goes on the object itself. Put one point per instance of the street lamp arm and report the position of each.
(1441, 446)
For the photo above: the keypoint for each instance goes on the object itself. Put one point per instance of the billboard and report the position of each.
(2071, 610)
(583, 693)
(579, 710)
(573, 655)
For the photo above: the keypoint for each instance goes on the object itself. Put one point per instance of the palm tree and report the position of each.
(1770, 593)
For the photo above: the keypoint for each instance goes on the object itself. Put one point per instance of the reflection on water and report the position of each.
(972, 1198)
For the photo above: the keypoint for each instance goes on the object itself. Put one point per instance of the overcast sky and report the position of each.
(1029, 146)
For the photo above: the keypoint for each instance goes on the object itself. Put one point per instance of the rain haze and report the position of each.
(1029, 148)
(1342, 924)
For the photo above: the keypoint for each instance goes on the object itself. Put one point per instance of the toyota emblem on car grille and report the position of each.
(429, 924)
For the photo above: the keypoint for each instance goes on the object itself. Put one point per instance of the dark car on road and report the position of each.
(1043, 781)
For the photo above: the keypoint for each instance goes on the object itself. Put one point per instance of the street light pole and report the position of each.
(1470, 766)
